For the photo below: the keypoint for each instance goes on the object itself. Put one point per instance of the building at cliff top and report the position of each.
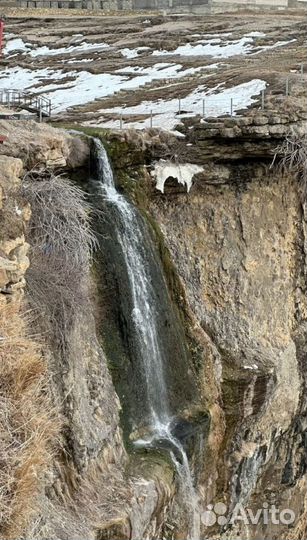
(170, 6)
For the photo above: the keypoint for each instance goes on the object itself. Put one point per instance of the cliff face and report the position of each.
(75, 485)
(233, 251)
(28, 422)
(237, 242)
(239, 251)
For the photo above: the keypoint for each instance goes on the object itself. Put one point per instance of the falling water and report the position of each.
(144, 315)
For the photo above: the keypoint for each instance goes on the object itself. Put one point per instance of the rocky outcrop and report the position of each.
(39, 145)
(237, 243)
(254, 135)
(244, 281)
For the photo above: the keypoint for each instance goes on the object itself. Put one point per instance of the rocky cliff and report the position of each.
(233, 250)
(75, 484)
(236, 243)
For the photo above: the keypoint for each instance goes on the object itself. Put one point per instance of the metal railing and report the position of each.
(211, 105)
(38, 104)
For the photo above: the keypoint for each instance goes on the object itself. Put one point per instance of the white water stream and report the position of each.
(144, 315)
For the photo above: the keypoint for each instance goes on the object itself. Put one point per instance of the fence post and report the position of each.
(262, 100)
(231, 106)
(179, 104)
(287, 86)
(151, 118)
(204, 108)
(302, 70)
(121, 122)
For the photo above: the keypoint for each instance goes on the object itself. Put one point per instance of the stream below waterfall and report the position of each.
(144, 315)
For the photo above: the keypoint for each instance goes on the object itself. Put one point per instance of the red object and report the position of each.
(2, 139)
(1, 34)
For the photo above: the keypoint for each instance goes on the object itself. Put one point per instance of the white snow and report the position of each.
(16, 45)
(163, 70)
(183, 172)
(253, 366)
(133, 53)
(85, 86)
(84, 47)
(165, 113)
(208, 47)
(255, 34)
(218, 48)
(18, 78)
(78, 61)
(277, 44)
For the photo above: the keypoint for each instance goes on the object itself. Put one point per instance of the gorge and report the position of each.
(176, 380)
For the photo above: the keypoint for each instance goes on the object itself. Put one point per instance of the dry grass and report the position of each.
(61, 247)
(27, 423)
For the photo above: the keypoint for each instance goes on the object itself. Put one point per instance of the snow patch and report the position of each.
(133, 53)
(253, 366)
(18, 78)
(274, 46)
(218, 48)
(165, 114)
(16, 45)
(183, 172)
(84, 86)
(84, 47)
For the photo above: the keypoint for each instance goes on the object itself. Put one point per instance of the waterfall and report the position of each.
(144, 315)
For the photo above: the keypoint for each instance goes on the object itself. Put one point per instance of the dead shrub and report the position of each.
(292, 155)
(61, 242)
(28, 424)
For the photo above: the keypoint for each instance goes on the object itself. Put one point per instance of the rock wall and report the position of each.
(234, 256)
(237, 242)
(85, 486)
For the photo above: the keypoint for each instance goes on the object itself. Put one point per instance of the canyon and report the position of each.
(153, 312)
(232, 253)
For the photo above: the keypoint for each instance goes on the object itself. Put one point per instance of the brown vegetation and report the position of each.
(293, 158)
(61, 245)
(27, 425)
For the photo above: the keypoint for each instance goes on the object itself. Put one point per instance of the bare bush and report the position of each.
(292, 156)
(61, 242)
